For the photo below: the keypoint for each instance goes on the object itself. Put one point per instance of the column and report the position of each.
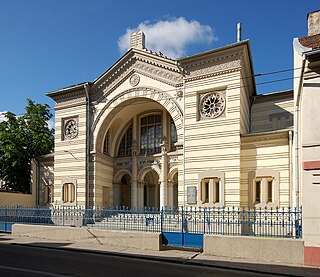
(164, 175)
(170, 194)
(134, 183)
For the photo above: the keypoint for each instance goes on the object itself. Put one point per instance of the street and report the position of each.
(20, 260)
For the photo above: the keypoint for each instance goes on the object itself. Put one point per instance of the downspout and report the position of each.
(87, 168)
(296, 134)
(291, 166)
(184, 141)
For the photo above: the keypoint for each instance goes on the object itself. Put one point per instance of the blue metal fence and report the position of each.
(236, 221)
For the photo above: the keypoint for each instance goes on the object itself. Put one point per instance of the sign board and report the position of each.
(192, 195)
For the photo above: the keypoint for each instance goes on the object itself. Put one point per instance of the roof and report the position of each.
(311, 41)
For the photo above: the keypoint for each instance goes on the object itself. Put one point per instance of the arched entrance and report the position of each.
(125, 191)
(151, 190)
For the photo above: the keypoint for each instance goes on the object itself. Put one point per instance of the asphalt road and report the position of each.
(19, 260)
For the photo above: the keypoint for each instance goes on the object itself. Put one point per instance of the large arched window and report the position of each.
(126, 143)
(173, 135)
(151, 134)
(106, 144)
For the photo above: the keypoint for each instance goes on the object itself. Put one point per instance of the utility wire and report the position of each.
(235, 79)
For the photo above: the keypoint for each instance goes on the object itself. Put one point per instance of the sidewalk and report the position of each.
(170, 255)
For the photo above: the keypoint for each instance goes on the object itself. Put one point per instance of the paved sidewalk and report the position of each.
(169, 255)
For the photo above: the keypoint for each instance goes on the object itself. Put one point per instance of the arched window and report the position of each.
(151, 134)
(68, 193)
(65, 193)
(126, 143)
(173, 135)
(106, 144)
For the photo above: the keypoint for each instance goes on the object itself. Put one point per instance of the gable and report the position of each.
(144, 63)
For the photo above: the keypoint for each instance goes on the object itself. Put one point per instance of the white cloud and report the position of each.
(171, 37)
(2, 116)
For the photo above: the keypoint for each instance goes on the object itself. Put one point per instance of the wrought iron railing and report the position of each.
(235, 221)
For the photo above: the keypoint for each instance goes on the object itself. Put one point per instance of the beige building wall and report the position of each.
(70, 164)
(212, 145)
(272, 111)
(266, 155)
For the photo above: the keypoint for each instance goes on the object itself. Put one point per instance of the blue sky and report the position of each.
(50, 44)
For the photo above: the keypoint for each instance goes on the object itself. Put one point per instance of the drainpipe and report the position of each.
(296, 134)
(291, 167)
(184, 142)
(87, 168)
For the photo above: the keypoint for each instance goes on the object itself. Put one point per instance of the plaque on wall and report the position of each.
(192, 195)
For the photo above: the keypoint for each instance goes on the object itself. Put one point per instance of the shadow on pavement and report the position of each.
(262, 268)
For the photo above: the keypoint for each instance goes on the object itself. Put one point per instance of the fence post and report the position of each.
(161, 220)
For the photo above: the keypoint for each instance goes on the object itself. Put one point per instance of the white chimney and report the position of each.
(137, 40)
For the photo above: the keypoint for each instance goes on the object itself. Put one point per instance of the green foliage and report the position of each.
(22, 139)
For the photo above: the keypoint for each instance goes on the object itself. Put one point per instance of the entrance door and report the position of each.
(151, 193)
(125, 192)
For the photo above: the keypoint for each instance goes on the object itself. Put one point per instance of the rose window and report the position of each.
(212, 105)
(71, 129)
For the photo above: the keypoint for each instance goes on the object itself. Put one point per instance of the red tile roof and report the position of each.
(311, 41)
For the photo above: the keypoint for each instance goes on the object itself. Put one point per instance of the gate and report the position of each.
(181, 229)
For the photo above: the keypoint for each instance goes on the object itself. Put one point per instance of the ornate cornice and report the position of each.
(143, 62)
(143, 67)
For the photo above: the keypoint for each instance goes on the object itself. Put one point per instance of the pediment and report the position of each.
(142, 62)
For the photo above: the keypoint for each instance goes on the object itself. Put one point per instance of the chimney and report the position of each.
(313, 23)
(239, 32)
(137, 40)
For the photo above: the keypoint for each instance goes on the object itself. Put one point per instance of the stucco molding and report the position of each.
(131, 95)
(164, 71)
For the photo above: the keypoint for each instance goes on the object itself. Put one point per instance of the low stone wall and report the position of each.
(141, 240)
(9, 198)
(255, 249)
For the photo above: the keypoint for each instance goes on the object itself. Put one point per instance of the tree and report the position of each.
(22, 139)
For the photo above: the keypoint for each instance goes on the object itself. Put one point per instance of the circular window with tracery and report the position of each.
(212, 105)
(71, 129)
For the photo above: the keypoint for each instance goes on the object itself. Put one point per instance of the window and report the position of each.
(126, 143)
(65, 193)
(151, 134)
(270, 189)
(211, 188)
(265, 188)
(257, 191)
(68, 193)
(217, 191)
(206, 192)
(106, 144)
(173, 135)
